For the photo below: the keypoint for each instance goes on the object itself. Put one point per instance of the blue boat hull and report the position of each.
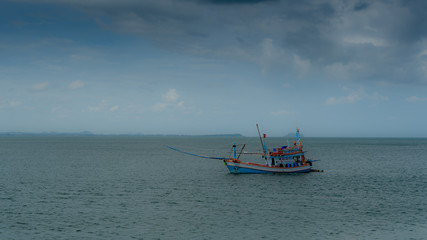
(241, 167)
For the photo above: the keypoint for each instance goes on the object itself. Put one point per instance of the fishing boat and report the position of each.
(284, 159)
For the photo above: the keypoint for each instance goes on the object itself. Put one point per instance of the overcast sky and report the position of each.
(332, 68)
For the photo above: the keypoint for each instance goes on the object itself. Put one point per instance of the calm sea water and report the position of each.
(136, 188)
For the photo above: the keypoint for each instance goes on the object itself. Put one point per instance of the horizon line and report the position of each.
(88, 133)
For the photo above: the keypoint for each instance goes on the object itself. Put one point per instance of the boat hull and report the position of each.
(241, 167)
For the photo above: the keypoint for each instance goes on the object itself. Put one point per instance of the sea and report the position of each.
(134, 187)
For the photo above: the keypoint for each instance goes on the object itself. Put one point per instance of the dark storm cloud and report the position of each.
(360, 6)
(359, 40)
(235, 1)
(414, 26)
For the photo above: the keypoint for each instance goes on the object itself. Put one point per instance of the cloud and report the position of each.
(114, 108)
(416, 99)
(355, 96)
(96, 108)
(369, 40)
(377, 42)
(40, 86)
(271, 56)
(236, 1)
(10, 104)
(360, 6)
(76, 84)
(302, 66)
(103, 106)
(170, 100)
(171, 96)
(351, 98)
(14, 103)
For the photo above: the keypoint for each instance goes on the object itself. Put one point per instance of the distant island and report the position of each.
(83, 133)
(87, 133)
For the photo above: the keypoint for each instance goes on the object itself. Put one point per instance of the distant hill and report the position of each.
(87, 133)
(83, 133)
(178, 135)
(223, 135)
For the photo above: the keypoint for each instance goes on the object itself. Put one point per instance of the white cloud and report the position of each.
(171, 96)
(415, 99)
(170, 100)
(159, 107)
(76, 84)
(40, 86)
(423, 53)
(302, 66)
(355, 96)
(10, 104)
(351, 98)
(377, 42)
(14, 103)
(271, 55)
(103, 106)
(95, 108)
(114, 108)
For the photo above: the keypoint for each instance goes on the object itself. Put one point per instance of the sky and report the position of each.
(332, 68)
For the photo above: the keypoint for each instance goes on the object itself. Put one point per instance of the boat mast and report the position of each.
(298, 137)
(262, 142)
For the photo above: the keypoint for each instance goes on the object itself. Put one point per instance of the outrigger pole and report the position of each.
(192, 154)
(244, 145)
